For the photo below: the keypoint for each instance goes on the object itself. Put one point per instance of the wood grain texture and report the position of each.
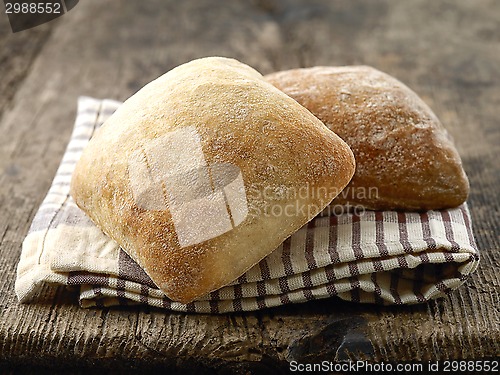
(447, 51)
(17, 53)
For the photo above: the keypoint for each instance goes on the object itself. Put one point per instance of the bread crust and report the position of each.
(238, 119)
(405, 159)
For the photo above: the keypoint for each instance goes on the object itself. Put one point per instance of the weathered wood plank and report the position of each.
(111, 49)
(17, 53)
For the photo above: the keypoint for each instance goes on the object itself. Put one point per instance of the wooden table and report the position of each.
(447, 51)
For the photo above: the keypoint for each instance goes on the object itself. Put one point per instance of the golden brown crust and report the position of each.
(405, 159)
(240, 120)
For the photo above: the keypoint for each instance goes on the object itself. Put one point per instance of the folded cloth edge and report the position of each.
(30, 278)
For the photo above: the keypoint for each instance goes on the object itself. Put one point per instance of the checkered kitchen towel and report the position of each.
(377, 257)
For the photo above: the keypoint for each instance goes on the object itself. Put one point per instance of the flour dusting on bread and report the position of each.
(401, 148)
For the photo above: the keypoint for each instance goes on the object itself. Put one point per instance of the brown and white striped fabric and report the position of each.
(375, 257)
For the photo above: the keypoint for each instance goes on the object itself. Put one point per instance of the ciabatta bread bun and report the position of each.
(405, 159)
(205, 171)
